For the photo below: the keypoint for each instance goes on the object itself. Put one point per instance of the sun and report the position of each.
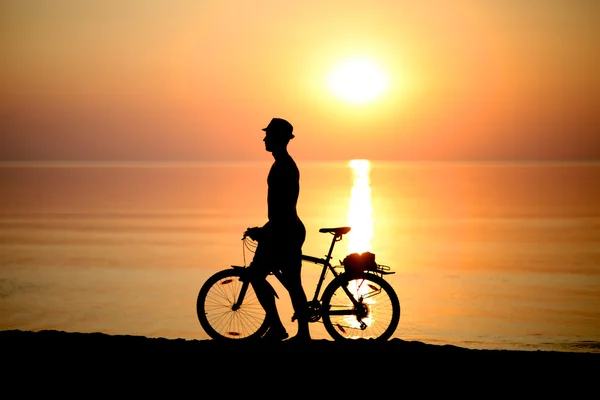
(358, 80)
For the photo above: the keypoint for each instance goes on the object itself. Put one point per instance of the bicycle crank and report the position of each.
(313, 310)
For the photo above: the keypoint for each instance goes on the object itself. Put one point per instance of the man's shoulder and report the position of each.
(284, 169)
(286, 162)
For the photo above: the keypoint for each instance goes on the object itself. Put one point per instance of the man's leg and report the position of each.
(258, 276)
(293, 283)
(267, 300)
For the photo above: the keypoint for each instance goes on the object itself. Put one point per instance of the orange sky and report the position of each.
(197, 80)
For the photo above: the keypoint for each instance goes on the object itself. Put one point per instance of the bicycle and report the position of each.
(355, 304)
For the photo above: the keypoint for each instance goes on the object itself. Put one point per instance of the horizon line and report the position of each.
(191, 163)
(174, 162)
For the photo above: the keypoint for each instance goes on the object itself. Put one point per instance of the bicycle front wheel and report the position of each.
(217, 314)
(374, 313)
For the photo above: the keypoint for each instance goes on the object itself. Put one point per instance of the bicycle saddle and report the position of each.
(337, 231)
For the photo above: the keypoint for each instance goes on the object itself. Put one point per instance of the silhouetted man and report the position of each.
(280, 240)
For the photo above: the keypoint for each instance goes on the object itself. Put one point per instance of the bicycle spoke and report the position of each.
(375, 315)
(216, 312)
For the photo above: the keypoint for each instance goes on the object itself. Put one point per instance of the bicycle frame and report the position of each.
(338, 233)
(326, 263)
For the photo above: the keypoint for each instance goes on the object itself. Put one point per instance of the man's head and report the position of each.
(277, 134)
(280, 127)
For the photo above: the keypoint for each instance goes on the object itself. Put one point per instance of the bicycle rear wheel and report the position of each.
(376, 316)
(216, 314)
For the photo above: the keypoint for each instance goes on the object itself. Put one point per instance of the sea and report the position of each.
(484, 255)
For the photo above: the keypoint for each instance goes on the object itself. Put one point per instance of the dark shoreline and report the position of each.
(131, 365)
(71, 343)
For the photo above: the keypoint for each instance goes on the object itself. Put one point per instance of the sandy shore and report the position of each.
(109, 358)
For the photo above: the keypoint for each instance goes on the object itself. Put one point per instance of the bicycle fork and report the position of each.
(245, 279)
(236, 306)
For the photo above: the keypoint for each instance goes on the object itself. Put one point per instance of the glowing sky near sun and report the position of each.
(197, 80)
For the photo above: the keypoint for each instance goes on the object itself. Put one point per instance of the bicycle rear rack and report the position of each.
(384, 269)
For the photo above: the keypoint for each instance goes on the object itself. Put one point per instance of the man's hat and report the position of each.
(280, 127)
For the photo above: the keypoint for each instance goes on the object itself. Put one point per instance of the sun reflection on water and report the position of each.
(360, 210)
(360, 218)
